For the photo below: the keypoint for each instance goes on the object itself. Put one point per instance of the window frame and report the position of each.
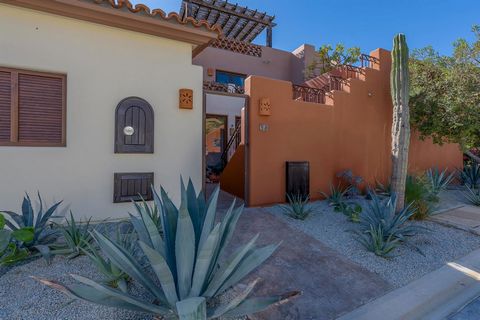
(14, 109)
(244, 76)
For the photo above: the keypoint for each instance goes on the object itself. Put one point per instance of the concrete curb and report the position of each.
(434, 296)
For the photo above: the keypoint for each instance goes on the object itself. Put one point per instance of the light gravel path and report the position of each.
(440, 245)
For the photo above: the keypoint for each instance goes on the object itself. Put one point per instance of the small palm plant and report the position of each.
(185, 259)
(298, 206)
(473, 196)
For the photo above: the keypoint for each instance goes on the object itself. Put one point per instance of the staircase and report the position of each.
(316, 89)
(232, 145)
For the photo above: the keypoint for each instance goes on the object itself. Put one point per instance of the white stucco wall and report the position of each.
(103, 66)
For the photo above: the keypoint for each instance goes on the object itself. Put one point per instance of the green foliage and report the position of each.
(418, 195)
(185, 259)
(382, 230)
(470, 175)
(375, 241)
(473, 196)
(445, 93)
(143, 208)
(114, 276)
(336, 196)
(352, 211)
(298, 206)
(28, 233)
(77, 238)
(328, 58)
(39, 221)
(438, 181)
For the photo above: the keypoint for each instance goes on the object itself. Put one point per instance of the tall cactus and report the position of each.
(401, 117)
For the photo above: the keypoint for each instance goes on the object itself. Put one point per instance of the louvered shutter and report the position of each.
(5, 105)
(40, 108)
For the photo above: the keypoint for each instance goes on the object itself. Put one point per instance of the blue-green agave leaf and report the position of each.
(161, 269)
(235, 302)
(210, 213)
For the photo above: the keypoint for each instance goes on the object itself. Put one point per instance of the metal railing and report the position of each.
(222, 87)
(367, 61)
(308, 94)
(234, 141)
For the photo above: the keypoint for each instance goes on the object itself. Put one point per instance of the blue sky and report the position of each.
(368, 24)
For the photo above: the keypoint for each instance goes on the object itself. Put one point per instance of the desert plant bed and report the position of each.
(424, 252)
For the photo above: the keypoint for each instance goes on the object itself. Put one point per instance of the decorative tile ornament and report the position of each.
(265, 108)
(186, 99)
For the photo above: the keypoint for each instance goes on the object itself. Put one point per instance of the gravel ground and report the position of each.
(22, 297)
(440, 245)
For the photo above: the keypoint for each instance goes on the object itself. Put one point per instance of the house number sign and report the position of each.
(128, 131)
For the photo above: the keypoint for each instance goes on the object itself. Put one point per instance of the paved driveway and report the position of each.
(331, 285)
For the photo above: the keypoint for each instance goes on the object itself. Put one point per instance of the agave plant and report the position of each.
(470, 175)
(114, 276)
(77, 238)
(9, 250)
(375, 241)
(380, 218)
(336, 197)
(473, 196)
(37, 223)
(185, 259)
(298, 206)
(438, 181)
(151, 210)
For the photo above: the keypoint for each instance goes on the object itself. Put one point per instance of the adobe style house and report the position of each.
(275, 130)
(92, 106)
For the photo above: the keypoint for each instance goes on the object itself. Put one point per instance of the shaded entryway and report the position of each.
(331, 285)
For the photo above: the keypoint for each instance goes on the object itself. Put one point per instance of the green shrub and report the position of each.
(185, 259)
(418, 195)
(298, 206)
(352, 211)
(336, 196)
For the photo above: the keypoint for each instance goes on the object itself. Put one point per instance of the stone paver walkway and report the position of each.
(331, 284)
(465, 217)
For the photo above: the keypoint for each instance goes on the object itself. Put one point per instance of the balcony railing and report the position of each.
(222, 87)
(367, 61)
(308, 94)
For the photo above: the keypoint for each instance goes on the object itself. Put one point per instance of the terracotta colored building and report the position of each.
(298, 128)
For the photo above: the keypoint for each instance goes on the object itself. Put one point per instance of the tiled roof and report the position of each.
(144, 10)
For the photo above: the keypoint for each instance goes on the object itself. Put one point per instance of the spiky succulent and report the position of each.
(185, 259)
(438, 181)
(473, 196)
(38, 224)
(298, 206)
(336, 196)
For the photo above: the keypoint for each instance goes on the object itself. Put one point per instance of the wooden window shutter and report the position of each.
(32, 108)
(5, 105)
(40, 109)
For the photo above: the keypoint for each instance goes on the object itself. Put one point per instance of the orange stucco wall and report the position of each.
(350, 131)
(232, 179)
